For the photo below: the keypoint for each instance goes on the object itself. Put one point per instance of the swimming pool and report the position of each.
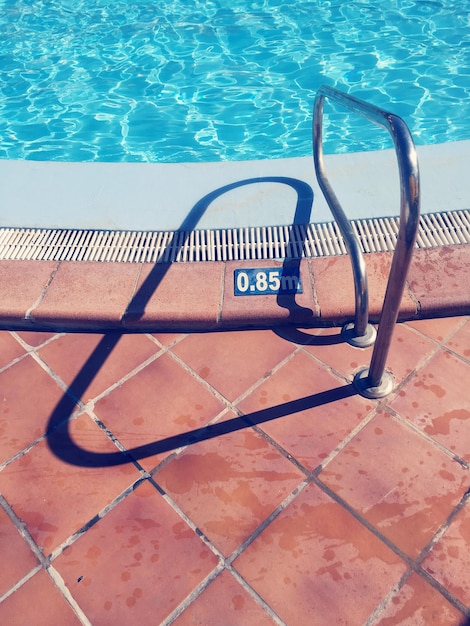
(211, 80)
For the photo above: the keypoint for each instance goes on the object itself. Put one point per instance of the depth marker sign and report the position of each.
(266, 281)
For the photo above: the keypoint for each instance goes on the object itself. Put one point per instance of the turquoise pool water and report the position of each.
(210, 80)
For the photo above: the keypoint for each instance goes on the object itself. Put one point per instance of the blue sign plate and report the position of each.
(266, 281)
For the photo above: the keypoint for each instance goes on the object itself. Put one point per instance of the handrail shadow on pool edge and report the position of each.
(57, 432)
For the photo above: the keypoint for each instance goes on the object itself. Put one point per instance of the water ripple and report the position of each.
(195, 80)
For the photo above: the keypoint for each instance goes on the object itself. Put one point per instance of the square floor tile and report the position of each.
(435, 401)
(233, 361)
(91, 362)
(9, 348)
(35, 338)
(419, 604)
(460, 342)
(224, 601)
(172, 295)
(306, 409)
(437, 328)
(37, 602)
(87, 294)
(137, 563)
(316, 564)
(403, 485)
(449, 560)
(440, 279)
(28, 398)
(228, 485)
(334, 283)
(148, 411)
(407, 350)
(54, 496)
(21, 286)
(17, 557)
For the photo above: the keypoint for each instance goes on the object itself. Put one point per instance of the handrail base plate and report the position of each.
(359, 341)
(362, 384)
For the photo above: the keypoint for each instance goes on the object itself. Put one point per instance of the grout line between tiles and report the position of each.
(178, 451)
(21, 527)
(443, 528)
(222, 294)
(421, 433)
(232, 403)
(264, 378)
(316, 301)
(125, 312)
(446, 338)
(343, 504)
(69, 541)
(271, 517)
(65, 591)
(194, 374)
(342, 444)
(445, 592)
(20, 583)
(456, 355)
(285, 453)
(28, 346)
(175, 506)
(193, 595)
(121, 381)
(256, 596)
(385, 602)
(14, 362)
(115, 440)
(58, 380)
(29, 313)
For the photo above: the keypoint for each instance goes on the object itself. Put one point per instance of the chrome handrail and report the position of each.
(374, 382)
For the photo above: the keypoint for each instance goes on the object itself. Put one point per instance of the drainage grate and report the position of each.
(270, 242)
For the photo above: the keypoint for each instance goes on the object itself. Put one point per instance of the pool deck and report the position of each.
(130, 297)
(235, 477)
(153, 471)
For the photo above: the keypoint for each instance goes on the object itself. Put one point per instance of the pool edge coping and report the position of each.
(143, 297)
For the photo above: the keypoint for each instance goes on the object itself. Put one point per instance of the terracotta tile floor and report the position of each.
(234, 478)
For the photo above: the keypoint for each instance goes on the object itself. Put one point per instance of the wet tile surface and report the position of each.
(305, 409)
(54, 496)
(236, 360)
(233, 478)
(153, 412)
(420, 604)
(315, 563)
(416, 490)
(450, 558)
(224, 597)
(335, 285)
(137, 563)
(229, 485)
(434, 401)
(406, 351)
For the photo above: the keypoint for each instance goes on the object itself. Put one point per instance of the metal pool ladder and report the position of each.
(374, 381)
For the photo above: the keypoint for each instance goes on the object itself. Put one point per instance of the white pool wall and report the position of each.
(148, 196)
